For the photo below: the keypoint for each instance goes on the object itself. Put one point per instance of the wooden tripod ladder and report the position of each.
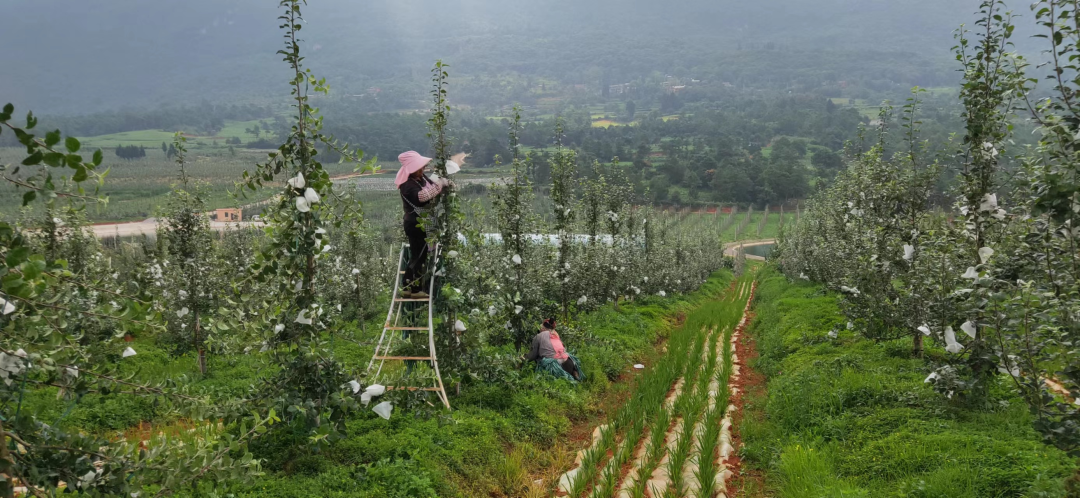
(395, 326)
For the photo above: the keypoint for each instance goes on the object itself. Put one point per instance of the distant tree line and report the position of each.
(130, 152)
(741, 149)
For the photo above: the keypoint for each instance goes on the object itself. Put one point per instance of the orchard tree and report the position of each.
(310, 384)
(563, 168)
(185, 231)
(994, 279)
(512, 203)
(443, 226)
(43, 346)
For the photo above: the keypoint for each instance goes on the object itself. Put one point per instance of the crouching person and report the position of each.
(550, 355)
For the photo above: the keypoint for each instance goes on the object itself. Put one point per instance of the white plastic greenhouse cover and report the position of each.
(552, 239)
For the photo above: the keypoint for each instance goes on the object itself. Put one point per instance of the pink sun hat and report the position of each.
(411, 162)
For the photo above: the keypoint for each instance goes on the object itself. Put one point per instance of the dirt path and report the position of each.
(749, 401)
(685, 447)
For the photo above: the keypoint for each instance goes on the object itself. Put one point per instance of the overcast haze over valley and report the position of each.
(77, 57)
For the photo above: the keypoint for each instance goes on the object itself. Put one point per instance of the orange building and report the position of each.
(229, 214)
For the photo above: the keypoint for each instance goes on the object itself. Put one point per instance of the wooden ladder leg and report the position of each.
(438, 376)
(390, 312)
(393, 315)
(431, 329)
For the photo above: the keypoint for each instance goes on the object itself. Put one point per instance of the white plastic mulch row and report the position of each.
(727, 447)
(639, 455)
(660, 479)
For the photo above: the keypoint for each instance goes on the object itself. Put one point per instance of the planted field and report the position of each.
(752, 225)
(604, 123)
(673, 436)
(138, 188)
(152, 139)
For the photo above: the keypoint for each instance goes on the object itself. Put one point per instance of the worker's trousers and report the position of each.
(414, 272)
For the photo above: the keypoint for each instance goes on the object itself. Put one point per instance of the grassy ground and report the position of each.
(538, 150)
(850, 417)
(237, 129)
(152, 139)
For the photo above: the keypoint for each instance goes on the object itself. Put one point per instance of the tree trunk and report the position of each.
(360, 304)
(198, 345)
(917, 345)
(7, 485)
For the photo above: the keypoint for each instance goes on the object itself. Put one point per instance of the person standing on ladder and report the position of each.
(419, 195)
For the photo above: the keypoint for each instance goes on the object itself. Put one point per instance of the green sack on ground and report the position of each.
(553, 367)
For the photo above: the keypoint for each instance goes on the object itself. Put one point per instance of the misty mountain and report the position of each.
(75, 57)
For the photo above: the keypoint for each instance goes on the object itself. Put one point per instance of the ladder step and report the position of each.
(392, 388)
(411, 300)
(417, 358)
(405, 328)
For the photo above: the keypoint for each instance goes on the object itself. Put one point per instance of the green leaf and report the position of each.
(8, 109)
(80, 175)
(29, 197)
(24, 137)
(52, 138)
(54, 159)
(98, 157)
(33, 159)
(31, 271)
(72, 144)
(73, 160)
(16, 256)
